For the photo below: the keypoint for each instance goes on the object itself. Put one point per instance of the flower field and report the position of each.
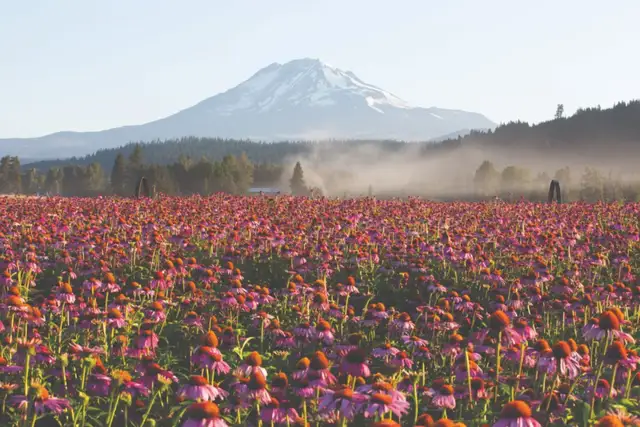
(207, 312)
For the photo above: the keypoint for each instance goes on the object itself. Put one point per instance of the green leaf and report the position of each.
(581, 412)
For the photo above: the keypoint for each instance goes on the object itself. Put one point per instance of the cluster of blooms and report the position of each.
(208, 312)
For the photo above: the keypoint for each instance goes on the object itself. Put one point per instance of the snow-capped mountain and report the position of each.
(301, 99)
(304, 82)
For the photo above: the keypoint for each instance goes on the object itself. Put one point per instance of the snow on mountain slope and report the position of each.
(307, 82)
(301, 99)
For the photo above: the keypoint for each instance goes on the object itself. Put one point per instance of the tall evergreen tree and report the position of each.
(134, 169)
(297, 184)
(119, 175)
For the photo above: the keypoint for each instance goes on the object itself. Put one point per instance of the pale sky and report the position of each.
(96, 64)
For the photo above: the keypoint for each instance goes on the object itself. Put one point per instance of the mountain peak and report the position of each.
(305, 82)
(303, 99)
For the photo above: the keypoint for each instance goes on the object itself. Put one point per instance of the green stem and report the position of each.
(146, 414)
(613, 380)
(27, 365)
(112, 415)
(498, 348)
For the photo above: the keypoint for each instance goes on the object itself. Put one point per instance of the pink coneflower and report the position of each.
(193, 319)
(264, 295)
(344, 402)
(304, 331)
(119, 346)
(401, 361)
(199, 389)
(447, 323)
(155, 313)
(205, 357)
(324, 333)
(5, 368)
(478, 389)
(303, 389)
(385, 351)
(320, 365)
(402, 324)
(413, 342)
(354, 364)
(380, 403)
(237, 289)
(561, 359)
(279, 385)
(443, 397)
(65, 293)
(500, 323)
(274, 413)
(350, 287)
(152, 372)
(461, 370)
(453, 347)
(382, 387)
(607, 325)
(319, 302)
(229, 300)
(26, 346)
(98, 384)
(353, 341)
(146, 339)
(125, 382)
(527, 332)
(77, 351)
(423, 353)
(43, 403)
(256, 389)
(603, 389)
(115, 318)
(516, 414)
(262, 319)
(302, 368)
(204, 414)
(252, 363)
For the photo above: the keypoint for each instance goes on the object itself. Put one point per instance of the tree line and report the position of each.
(232, 174)
(514, 182)
(606, 129)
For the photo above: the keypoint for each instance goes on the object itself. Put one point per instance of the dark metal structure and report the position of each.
(142, 189)
(554, 192)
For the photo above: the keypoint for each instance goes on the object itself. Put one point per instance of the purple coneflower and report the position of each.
(302, 368)
(204, 414)
(355, 364)
(65, 293)
(274, 413)
(380, 403)
(43, 403)
(402, 325)
(516, 414)
(146, 339)
(561, 359)
(252, 363)
(323, 332)
(443, 397)
(256, 389)
(344, 401)
(413, 342)
(199, 389)
(115, 318)
(385, 351)
(401, 361)
(606, 326)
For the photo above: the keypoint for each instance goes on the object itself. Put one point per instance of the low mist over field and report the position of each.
(361, 169)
